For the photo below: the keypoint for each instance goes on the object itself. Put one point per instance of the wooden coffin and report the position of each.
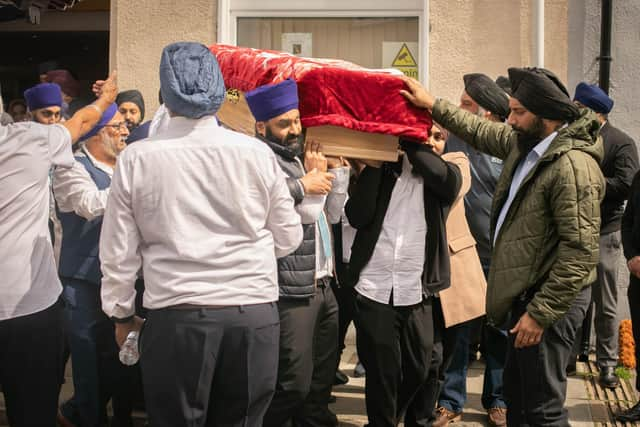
(335, 141)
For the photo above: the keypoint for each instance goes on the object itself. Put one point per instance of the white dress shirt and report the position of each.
(328, 208)
(27, 152)
(397, 262)
(523, 169)
(75, 190)
(205, 211)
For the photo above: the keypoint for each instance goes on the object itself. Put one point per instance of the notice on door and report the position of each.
(402, 56)
(299, 44)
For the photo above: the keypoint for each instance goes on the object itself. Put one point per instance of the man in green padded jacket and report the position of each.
(545, 225)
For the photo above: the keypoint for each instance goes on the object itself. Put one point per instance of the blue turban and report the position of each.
(43, 95)
(191, 82)
(593, 97)
(269, 101)
(106, 118)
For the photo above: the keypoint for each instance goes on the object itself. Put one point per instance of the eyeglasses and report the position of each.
(119, 126)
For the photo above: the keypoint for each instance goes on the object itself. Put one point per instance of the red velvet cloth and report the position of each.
(331, 92)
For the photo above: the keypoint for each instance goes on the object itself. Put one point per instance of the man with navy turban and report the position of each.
(81, 194)
(44, 102)
(545, 227)
(619, 165)
(307, 306)
(204, 212)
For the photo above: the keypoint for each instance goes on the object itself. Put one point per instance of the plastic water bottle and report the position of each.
(129, 352)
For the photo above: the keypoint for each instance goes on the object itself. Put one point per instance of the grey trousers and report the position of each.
(209, 367)
(604, 294)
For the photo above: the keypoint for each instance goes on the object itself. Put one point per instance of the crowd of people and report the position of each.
(241, 261)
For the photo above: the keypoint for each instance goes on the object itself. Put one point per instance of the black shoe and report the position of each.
(571, 369)
(359, 371)
(583, 357)
(332, 399)
(630, 415)
(608, 378)
(341, 378)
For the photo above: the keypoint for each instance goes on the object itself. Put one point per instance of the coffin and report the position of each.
(352, 111)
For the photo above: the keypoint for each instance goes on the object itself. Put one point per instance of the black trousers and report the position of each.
(307, 365)
(31, 352)
(633, 294)
(345, 296)
(420, 411)
(209, 367)
(535, 379)
(395, 346)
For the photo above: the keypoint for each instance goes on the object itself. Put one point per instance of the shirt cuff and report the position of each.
(341, 183)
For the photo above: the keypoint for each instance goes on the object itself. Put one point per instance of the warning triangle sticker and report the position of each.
(404, 58)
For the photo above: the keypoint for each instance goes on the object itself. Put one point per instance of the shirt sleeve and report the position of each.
(75, 191)
(60, 153)
(338, 195)
(119, 246)
(283, 221)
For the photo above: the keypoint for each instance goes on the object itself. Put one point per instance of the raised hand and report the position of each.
(107, 89)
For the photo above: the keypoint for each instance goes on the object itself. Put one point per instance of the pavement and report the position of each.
(587, 403)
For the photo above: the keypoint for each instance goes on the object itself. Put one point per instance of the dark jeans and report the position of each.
(345, 297)
(535, 380)
(209, 366)
(308, 358)
(454, 391)
(633, 294)
(395, 345)
(31, 351)
(98, 374)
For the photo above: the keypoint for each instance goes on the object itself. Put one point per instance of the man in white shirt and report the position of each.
(307, 306)
(204, 212)
(81, 194)
(399, 262)
(31, 330)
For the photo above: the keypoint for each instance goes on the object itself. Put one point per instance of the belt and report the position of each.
(199, 307)
(323, 282)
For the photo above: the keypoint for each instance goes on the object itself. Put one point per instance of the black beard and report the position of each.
(529, 138)
(293, 143)
(131, 125)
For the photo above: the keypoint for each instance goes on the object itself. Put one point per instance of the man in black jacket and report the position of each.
(307, 305)
(399, 262)
(619, 165)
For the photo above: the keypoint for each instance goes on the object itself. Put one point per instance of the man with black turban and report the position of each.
(131, 106)
(545, 227)
(204, 212)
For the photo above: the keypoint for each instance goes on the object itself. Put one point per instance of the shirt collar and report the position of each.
(543, 145)
(104, 167)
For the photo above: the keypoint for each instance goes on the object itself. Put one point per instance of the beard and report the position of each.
(131, 125)
(531, 136)
(291, 142)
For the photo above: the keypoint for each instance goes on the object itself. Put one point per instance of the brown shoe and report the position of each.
(445, 416)
(497, 417)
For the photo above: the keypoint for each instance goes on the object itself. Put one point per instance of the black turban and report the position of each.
(132, 96)
(541, 92)
(504, 84)
(487, 94)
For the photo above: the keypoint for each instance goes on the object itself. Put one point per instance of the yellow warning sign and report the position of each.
(404, 58)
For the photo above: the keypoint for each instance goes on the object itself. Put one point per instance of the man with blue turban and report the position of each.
(618, 166)
(44, 102)
(307, 306)
(81, 194)
(205, 212)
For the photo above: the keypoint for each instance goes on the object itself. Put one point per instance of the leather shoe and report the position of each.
(359, 371)
(341, 378)
(444, 416)
(497, 417)
(608, 378)
(572, 369)
(630, 415)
